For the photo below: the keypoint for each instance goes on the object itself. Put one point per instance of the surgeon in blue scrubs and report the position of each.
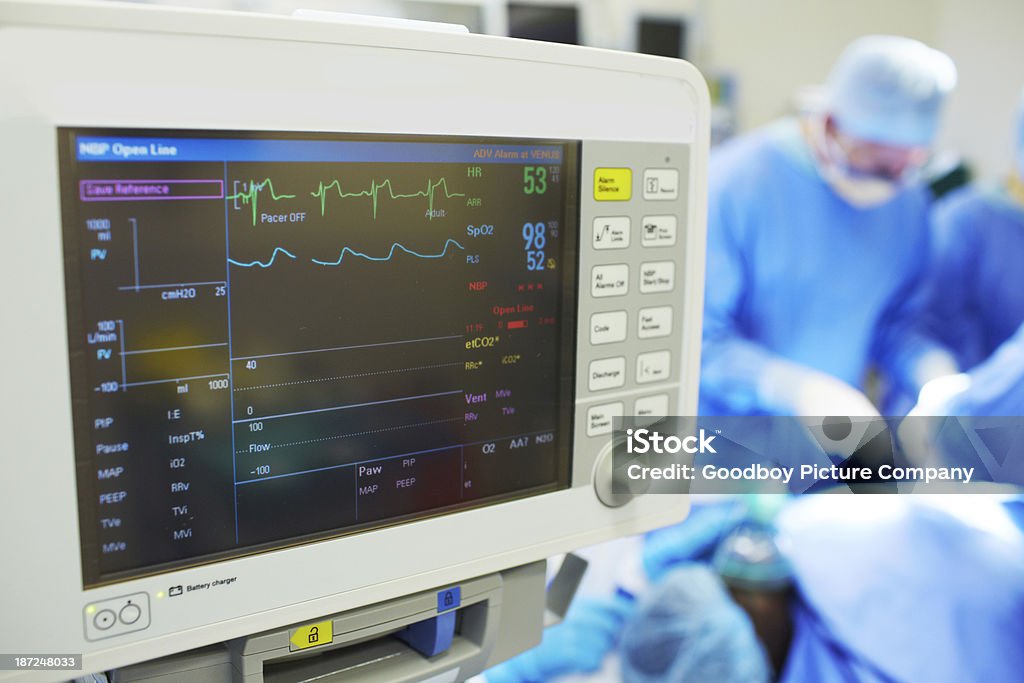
(975, 277)
(975, 298)
(817, 237)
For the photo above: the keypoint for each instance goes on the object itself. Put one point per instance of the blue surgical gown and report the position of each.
(795, 273)
(976, 274)
(906, 589)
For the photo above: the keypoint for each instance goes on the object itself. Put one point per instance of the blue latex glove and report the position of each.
(688, 629)
(577, 645)
(693, 540)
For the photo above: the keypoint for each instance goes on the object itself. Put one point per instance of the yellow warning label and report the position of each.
(312, 635)
(613, 184)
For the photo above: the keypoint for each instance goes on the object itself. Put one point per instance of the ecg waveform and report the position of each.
(375, 188)
(348, 250)
(251, 192)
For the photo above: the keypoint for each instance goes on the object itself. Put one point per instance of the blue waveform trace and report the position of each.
(349, 250)
(391, 253)
(261, 264)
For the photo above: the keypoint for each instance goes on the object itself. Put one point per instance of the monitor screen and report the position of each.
(277, 338)
(662, 37)
(551, 23)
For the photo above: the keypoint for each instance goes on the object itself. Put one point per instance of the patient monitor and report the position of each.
(315, 333)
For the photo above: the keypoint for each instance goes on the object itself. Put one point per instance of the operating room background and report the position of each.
(761, 52)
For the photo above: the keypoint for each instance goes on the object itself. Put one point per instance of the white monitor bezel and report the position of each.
(66, 77)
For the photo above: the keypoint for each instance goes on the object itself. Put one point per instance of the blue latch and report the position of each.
(430, 637)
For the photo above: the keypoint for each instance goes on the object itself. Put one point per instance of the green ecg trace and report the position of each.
(251, 194)
(375, 188)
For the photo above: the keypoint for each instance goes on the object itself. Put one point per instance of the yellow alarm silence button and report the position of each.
(613, 184)
(311, 635)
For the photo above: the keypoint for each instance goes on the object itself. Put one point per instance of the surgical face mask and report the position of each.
(863, 191)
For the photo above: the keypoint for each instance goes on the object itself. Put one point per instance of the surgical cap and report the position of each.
(889, 90)
(688, 630)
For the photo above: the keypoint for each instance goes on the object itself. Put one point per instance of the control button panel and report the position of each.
(661, 184)
(116, 616)
(607, 373)
(611, 280)
(611, 232)
(654, 322)
(633, 246)
(653, 366)
(658, 231)
(600, 418)
(657, 277)
(613, 184)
